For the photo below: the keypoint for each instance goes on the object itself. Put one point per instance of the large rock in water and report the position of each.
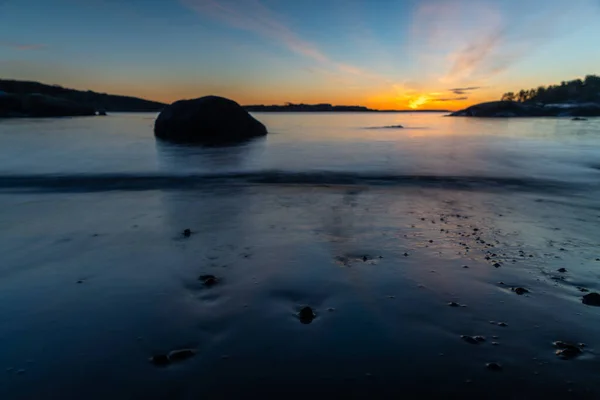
(208, 120)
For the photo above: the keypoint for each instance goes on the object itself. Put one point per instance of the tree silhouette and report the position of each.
(578, 90)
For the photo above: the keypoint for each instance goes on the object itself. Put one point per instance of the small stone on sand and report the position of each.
(453, 304)
(493, 366)
(520, 291)
(502, 324)
(306, 315)
(160, 360)
(591, 299)
(181, 355)
(208, 280)
(567, 350)
(472, 339)
(187, 233)
(562, 270)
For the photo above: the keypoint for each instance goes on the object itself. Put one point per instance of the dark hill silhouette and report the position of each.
(577, 98)
(575, 91)
(98, 101)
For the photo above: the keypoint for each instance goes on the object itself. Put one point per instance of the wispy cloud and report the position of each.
(254, 17)
(22, 46)
(472, 41)
(452, 99)
(464, 90)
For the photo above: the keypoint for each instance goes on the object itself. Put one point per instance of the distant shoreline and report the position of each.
(328, 108)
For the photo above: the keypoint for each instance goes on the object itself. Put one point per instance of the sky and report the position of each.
(385, 54)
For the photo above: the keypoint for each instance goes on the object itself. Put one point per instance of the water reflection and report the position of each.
(184, 158)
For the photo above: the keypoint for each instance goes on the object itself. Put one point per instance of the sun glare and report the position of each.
(418, 101)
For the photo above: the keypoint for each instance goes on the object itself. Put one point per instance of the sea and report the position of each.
(434, 257)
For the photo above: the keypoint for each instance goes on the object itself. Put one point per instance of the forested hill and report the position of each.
(575, 91)
(99, 101)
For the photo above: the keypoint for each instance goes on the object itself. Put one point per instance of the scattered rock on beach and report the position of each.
(208, 280)
(492, 366)
(562, 270)
(187, 233)
(591, 299)
(567, 350)
(162, 360)
(181, 355)
(473, 339)
(520, 290)
(306, 315)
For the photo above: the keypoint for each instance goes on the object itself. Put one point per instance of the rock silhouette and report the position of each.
(207, 120)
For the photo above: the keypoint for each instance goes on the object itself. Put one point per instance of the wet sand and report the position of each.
(93, 284)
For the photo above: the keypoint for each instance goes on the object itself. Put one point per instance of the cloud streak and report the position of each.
(463, 98)
(475, 40)
(254, 17)
(464, 90)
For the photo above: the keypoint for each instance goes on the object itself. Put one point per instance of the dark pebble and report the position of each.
(405, 254)
(520, 291)
(306, 315)
(208, 280)
(181, 355)
(591, 299)
(493, 366)
(562, 270)
(479, 338)
(567, 350)
(160, 360)
(582, 289)
(502, 324)
(470, 339)
(79, 281)
(187, 233)
(465, 266)
(497, 265)
(453, 304)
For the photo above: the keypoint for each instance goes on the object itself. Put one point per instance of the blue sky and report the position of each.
(379, 53)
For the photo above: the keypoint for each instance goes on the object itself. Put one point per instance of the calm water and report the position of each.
(429, 145)
(371, 227)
